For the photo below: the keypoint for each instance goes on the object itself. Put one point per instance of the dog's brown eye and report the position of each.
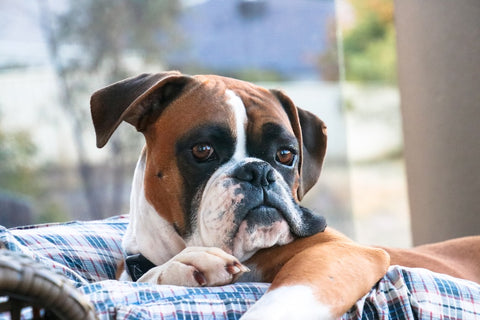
(203, 151)
(285, 157)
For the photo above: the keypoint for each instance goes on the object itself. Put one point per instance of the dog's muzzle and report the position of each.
(248, 206)
(267, 204)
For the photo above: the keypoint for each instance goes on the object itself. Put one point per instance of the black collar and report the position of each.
(137, 265)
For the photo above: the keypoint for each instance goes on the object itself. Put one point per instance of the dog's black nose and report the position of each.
(257, 173)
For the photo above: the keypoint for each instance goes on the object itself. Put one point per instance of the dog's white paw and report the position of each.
(197, 266)
(288, 303)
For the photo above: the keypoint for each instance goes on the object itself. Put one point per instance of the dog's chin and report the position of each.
(252, 237)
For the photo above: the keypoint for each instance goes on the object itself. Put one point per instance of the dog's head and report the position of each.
(226, 161)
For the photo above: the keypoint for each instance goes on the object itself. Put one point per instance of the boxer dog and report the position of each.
(216, 191)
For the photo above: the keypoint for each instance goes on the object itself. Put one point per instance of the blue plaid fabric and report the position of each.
(129, 300)
(84, 251)
(405, 293)
(88, 253)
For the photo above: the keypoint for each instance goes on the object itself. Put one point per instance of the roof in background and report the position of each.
(282, 36)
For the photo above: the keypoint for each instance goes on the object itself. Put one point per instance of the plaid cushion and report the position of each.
(406, 293)
(84, 251)
(88, 253)
(130, 300)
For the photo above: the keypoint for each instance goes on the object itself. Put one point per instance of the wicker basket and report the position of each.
(26, 283)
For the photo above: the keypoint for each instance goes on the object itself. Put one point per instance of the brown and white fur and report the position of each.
(216, 191)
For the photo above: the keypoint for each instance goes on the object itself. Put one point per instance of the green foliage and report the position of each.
(369, 46)
(22, 182)
(17, 171)
(51, 212)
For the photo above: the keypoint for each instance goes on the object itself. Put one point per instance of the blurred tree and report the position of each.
(23, 197)
(94, 39)
(328, 61)
(18, 176)
(369, 45)
(17, 172)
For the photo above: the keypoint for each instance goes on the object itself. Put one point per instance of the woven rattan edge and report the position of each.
(24, 280)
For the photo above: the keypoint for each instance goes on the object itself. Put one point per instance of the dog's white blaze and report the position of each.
(240, 121)
(288, 302)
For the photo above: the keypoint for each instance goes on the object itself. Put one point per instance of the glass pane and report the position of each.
(374, 127)
(53, 55)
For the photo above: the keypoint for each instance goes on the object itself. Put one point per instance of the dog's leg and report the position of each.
(319, 277)
(197, 266)
(458, 258)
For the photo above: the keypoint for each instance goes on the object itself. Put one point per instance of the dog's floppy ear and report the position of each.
(132, 100)
(311, 133)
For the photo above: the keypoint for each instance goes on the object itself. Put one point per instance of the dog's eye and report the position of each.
(285, 157)
(203, 152)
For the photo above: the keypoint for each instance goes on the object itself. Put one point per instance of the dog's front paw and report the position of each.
(287, 303)
(197, 266)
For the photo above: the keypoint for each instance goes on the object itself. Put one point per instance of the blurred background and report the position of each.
(334, 58)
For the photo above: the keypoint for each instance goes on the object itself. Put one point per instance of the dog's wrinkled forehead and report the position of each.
(199, 105)
(261, 106)
(223, 104)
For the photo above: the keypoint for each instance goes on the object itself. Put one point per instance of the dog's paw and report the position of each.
(197, 266)
(287, 303)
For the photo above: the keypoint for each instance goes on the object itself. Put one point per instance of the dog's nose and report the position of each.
(257, 173)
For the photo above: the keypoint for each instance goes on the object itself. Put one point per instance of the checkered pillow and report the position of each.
(84, 251)
(88, 253)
